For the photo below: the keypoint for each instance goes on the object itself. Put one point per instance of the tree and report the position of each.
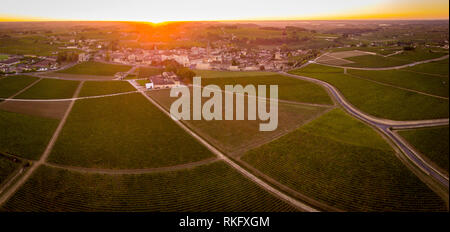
(114, 45)
(185, 74)
(108, 56)
(67, 56)
(171, 65)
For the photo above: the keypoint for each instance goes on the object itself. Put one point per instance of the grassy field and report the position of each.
(96, 88)
(353, 170)
(378, 50)
(3, 57)
(36, 45)
(416, 81)
(7, 166)
(130, 77)
(378, 61)
(289, 88)
(144, 72)
(405, 57)
(23, 135)
(418, 54)
(374, 61)
(328, 60)
(379, 100)
(81, 77)
(213, 187)
(237, 136)
(431, 142)
(96, 68)
(230, 74)
(50, 89)
(13, 84)
(340, 127)
(124, 131)
(46, 109)
(437, 68)
(142, 82)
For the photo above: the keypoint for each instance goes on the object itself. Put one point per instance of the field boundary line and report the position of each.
(337, 58)
(299, 205)
(9, 193)
(60, 126)
(386, 68)
(393, 54)
(238, 153)
(424, 73)
(133, 171)
(20, 91)
(279, 100)
(10, 179)
(285, 188)
(80, 77)
(397, 87)
(131, 70)
(69, 99)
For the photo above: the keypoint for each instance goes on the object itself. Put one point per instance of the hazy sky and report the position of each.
(186, 10)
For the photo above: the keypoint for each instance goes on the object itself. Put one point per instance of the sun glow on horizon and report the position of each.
(203, 10)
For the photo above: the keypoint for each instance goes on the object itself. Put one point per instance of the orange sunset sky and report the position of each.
(203, 10)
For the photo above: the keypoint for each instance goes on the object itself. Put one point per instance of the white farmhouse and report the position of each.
(203, 66)
(233, 68)
(149, 85)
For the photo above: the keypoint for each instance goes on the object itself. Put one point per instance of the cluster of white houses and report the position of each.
(164, 81)
(204, 58)
(28, 63)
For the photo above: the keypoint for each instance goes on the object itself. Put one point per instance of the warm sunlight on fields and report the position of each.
(199, 10)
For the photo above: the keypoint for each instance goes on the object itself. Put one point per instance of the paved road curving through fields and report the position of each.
(386, 127)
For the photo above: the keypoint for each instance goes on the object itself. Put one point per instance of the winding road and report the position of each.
(383, 125)
(386, 126)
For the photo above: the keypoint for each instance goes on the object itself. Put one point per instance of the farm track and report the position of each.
(397, 87)
(384, 68)
(42, 160)
(133, 171)
(299, 205)
(385, 126)
(282, 101)
(428, 74)
(128, 72)
(240, 152)
(73, 77)
(68, 99)
(10, 98)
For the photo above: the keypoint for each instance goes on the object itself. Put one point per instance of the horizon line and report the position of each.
(225, 20)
